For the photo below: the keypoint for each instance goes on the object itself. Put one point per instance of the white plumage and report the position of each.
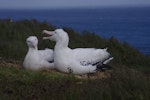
(91, 55)
(76, 61)
(37, 59)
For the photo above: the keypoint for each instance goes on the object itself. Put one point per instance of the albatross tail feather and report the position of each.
(103, 67)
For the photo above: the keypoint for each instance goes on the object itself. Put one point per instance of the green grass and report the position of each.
(13, 42)
(129, 79)
(124, 84)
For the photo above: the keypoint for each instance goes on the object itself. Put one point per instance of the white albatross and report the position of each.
(77, 61)
(37, 59)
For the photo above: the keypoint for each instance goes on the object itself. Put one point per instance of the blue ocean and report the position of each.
(130, 25)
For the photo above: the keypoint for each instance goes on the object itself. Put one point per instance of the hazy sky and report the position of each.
(33, 4)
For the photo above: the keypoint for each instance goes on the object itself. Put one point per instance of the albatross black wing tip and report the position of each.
(103, 67)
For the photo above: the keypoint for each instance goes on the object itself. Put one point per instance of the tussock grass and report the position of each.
(128, 80)
(123, 84)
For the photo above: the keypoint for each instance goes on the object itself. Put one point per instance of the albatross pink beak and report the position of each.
(48, 33)
(33, 44)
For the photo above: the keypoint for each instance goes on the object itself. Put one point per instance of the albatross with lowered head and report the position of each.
(37, 59)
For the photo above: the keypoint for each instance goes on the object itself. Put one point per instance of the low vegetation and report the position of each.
(128, 80)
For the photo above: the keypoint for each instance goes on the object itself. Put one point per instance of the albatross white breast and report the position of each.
(37, 59)
(76, 61)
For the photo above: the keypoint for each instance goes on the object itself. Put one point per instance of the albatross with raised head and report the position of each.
(77, 61)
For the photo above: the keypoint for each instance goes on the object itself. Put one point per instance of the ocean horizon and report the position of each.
(131, 25)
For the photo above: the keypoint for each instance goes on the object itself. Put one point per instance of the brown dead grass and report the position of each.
(97, 75)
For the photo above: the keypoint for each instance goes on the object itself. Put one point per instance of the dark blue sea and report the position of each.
(131, 25)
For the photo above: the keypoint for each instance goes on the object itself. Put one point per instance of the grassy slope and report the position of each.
(129, 78)
(123, 84)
